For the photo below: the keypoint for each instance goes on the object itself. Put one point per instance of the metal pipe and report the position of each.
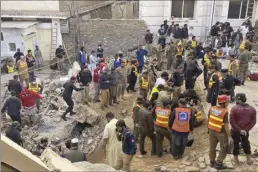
(212, 13)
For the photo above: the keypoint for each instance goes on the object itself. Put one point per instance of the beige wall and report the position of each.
(44, 39)
(30, 5)
(126, 11)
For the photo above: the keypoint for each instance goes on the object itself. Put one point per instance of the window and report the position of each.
(182, 8)
(2, 36)
(240, 9)
(12, 47)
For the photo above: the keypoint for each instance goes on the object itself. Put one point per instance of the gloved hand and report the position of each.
(243, 132)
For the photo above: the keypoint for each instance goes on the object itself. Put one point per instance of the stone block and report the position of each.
(202, 165)
(88, 115)
(192, 169)
(201, 159)
(229, 165)
(186, 163)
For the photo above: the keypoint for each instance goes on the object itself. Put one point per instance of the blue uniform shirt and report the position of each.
(129, 146)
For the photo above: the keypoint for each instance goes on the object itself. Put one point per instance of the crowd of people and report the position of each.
(162, 108)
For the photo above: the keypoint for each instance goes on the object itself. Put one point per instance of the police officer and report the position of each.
(194, 45)
(206, 62)
(162, 114)
(180, 123)
(136, 117)
(219, 131)
(37, 88)
(233, 66)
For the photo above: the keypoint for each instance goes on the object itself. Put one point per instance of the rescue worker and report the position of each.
(136, 116)
(10, 67)
(74, 154)
(233, 66)
(193, 46)
(132, 77)
(242, 119)
(218, 126)
(37, 88)
(23, 70)
(146, 128)
(13, 133)
(113, 87)
(244, 59)
(122, 78)
(144, 85)
(129, 146)
(220, 53)
(213, 85)
(171, 55)
(110, 143)
(15, 86)
(162, 114)
(67, 96)
(191, 72)
(85, 78)
(28, 102)
(155, 92)
(181, 124)
(179, 54)
(13, 106)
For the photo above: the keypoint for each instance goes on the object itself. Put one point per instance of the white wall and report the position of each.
(30, 5)
(56, 24)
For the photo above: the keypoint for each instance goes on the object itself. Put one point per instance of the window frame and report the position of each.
(182, 10)
(2, 36)
(240, 11)
(10, 46)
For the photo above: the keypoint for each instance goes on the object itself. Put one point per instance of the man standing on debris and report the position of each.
(31, 63)
(13, 106)
(74, 154)
(122, 78)
(13, 133)
(104, 82)
(191, 72)
(83, 57)
(23, 70)
(181, 124)
(146, 128)
(144, 85)
(149, 40)
(242, 119)
(100, 51)
(96, 74)
(59, 55)
(132, 77)
(219, 132)
(15, 86)
(38, 57)
(110, 143)
(18, 55)
(85, 79)
(140, 53)
(129, 146)
(67, 96)
(37, 88)
(28, 102)
(244, 59)
(177, 81)
(113, 87)
(171, 55)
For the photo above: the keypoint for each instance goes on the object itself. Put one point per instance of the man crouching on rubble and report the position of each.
(67, 96)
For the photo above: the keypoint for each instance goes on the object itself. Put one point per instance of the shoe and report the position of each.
(248, 159)
(220, 166)
(63, 117)
(176, 157)
(160, 155)
(212, 164)
(144, 153)
(72, 113)
(236, 160)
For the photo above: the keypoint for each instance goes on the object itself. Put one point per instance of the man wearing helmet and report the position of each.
(219, 131)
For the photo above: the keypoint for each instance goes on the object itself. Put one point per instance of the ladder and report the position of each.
(53, 43)
(250, 8)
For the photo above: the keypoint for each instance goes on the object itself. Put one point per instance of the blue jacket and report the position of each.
(103, 81)
(140, 56)
(116, 63)
(128, 144)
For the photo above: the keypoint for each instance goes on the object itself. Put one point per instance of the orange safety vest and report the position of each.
(182, 118)
(23, 65)
(216, 118)
(211, 82)
(163, 115)
(145, 83)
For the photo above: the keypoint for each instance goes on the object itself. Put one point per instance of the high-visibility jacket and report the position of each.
(135, 70)
(179, 51)
(242, 45)
(219, 53)
(216, 118)
(162, 116)
(230, 66)
(198, 116)
(10, 69)
(206, 59)
(145, 83)
(23, 65)
(154, 90)
(193, 44)
(34, 88)
(181, 121)
(211, 81)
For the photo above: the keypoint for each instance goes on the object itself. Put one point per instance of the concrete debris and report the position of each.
(201, 159)
(86, 166)
(255, 59)
(192, 169)
(188, 163)
(156, 167)
(229, 165)
(88, 115)
(124, 111)
(163, 168)
(202, 165)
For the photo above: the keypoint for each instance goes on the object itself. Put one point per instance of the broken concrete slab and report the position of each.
(88, 115)
(192, 169)
(86, 166)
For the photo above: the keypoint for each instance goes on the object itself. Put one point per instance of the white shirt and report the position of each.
(160, 81)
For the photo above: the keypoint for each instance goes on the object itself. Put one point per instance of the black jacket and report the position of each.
(14, 134)
(18, 55)
(13, 106)
(60, 52)
(178, 79)
(100, 52)
(15, 86)
(148, 38)
(85, 77)
(68, 89)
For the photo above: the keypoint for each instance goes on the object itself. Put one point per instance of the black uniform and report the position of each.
(100, 52)
(213, 91)
(227, 86)
(14, 134)
(67, 95)
(15, 86)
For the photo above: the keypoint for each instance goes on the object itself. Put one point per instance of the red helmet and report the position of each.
(73, 78)
(223, 98)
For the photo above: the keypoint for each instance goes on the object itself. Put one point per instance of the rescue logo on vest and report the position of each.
(162, 112)
(216, 112)
(183, 116)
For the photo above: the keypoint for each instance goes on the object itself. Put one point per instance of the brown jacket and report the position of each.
(146, 121)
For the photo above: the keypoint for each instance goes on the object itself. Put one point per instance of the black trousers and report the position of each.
(70, 104)
(205, 77)
(153, 141)
(131, 85)
(237, 137)
(189, 84)
(16, 118)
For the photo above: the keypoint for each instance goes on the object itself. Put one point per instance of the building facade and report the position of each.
(26, 24)
(199, 15)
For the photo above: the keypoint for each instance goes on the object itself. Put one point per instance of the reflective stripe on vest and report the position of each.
(194, 44)
(154, 90)
(23, 65)
(181, 121)
(34, 88)
(216, 118)
(242, 45)
(198, 116)
(206, 59)
(135, 70)
(211, 82)
(145, 83)
(10, 69)
(163, 115)
(179, 51)
(230, 66)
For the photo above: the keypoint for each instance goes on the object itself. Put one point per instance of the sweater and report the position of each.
(27, 97)
(13, 106)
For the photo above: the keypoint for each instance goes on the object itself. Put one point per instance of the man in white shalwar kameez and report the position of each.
(112, 145)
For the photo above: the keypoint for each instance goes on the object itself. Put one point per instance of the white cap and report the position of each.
(74, 140)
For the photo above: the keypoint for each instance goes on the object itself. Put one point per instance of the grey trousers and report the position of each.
(160, 134)
(242, 71)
